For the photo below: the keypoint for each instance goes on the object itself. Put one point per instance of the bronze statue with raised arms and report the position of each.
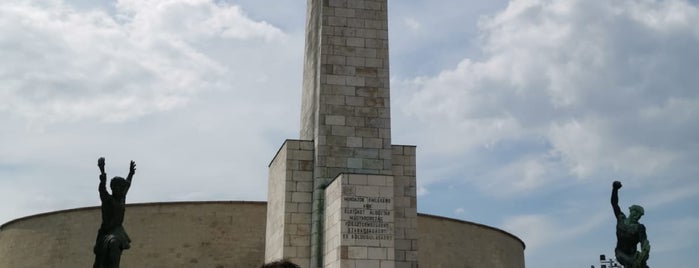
(112, 239)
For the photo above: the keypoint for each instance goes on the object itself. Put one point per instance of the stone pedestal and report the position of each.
(359, 222)
(346, 128)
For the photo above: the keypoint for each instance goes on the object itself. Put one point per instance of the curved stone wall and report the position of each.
(167, 235)
(447, 243)
(221, 235)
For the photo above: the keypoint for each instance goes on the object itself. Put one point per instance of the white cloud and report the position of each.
(193, 19)
(587, 89)
(422, 191)
(413, 24)
(587, 148)
(537, 230)
(192, 106)
(528, 173)
(547, 230)
(66, 64)
(661, 198)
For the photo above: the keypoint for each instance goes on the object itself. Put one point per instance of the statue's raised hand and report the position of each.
(616, 185)
(132, 168)
(100, 164)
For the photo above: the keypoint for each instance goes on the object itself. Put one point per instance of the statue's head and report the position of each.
(118, 185)
(636, 212)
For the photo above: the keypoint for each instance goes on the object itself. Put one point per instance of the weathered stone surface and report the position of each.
(479, 245)
(183, 234)
(207, 231)
(359, 222)
(290, 196)
(345, 104)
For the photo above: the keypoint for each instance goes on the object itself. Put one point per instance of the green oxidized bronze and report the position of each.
(629, 233)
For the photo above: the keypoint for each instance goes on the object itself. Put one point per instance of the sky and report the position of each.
(523, 111)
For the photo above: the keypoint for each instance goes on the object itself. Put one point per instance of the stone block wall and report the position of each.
(332, 234)
(164, 235)
(359, 223)
(353, 125)
(289, 203)
(346, 96)
(405, 205)
(447, 243)
(223, 235)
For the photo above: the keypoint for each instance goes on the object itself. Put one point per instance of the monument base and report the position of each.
(359, 222)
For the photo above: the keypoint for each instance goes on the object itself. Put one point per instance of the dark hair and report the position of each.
(280, 264)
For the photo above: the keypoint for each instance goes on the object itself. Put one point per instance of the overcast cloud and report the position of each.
(523, 112)
(566, 94)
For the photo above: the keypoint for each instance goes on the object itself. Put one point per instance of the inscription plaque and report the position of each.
(367, 218)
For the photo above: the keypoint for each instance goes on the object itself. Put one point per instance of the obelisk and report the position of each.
(343, 195)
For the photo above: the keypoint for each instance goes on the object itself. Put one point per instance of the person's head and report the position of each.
(280, 264)
(636, 213)
(118, 185)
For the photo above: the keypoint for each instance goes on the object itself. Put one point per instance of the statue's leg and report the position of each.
(97, 259)
(97, 262)
(114, 253)
(624, 259)
(100, 251)
(640, 260)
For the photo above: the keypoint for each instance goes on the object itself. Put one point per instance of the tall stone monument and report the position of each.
(343, 195)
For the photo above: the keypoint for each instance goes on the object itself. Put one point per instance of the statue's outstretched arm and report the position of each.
(615, 199)
(645, 244)
(132, 171)
(102, 188)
